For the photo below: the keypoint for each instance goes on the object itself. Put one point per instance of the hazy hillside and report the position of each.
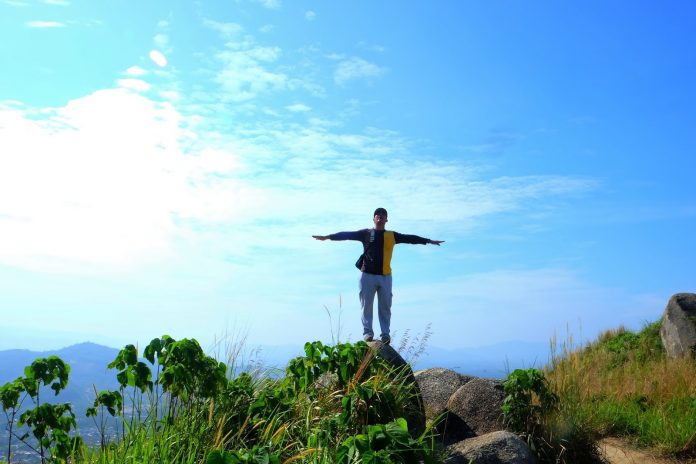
(87, 361)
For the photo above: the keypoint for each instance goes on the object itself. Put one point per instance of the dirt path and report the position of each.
(619, 452)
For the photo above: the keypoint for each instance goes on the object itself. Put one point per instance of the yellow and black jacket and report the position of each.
(378, 246)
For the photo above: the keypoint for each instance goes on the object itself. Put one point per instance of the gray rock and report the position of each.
(678, 331)
(493, 448)
(415, 416)
(436, 386)
(477, 403)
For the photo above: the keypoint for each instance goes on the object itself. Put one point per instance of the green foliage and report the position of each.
(624, 385)
(9, 399)
(335, 403)
(256, 455)
(10, 393)
(188, 372)
(625, 346)
(50, 424)
(384, 444)
(521, 412)
(343, 359)
(51, 371)
(132, 372)
(552, 430)
(111, 400)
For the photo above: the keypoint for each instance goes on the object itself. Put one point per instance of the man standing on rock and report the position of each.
(378, 245)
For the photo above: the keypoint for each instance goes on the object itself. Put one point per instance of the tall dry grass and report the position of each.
(624, 384)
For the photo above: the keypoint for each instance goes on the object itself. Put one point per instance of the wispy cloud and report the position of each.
(244, 74)
(158, 58)
(194, 176)
(56, 2)
(226, 30)
(270, 4)
(102, 180)
(372, 47)
(298, 108)
(310, 15)
(45, 24)
(134, 84)
(136, 71)
(356, 68)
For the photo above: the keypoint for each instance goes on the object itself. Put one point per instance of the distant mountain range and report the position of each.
(88, 369)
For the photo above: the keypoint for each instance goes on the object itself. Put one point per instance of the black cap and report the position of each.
(381, 212)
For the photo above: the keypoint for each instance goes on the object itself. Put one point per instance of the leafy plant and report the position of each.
(10, 400)
(384, 444)
(50, 424)
(112, 401)
(527, 399)
(256, 455)
(528, 403)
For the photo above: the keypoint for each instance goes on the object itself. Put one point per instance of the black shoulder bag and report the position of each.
(361, 260)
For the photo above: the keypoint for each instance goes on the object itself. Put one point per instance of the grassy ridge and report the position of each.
(337, 404)
(624, 384)
(342, 405)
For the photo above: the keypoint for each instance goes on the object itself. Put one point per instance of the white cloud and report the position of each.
(356, 68)
(171, 95)
(310, 15)
(158, 58)
(56, 2)
(101, 182)
(161, 41)
(244, 76)
(270, 4)
(134, 84)
(298, 108)
(45, 24)
(226, 30)
(136, 71)
(372, 47)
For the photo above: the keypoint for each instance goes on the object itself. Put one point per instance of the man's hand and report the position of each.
(436, 242)
(321, 237)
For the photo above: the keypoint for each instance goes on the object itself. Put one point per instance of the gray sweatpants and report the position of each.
(382, 286)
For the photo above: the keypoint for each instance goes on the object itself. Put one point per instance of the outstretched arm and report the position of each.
(415, 239)
(357, 235)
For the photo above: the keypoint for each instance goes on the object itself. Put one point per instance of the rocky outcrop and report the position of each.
(477, 403)
(678, 331)
(470, 426)
(493, 448)
(415, 416)
(436, 386)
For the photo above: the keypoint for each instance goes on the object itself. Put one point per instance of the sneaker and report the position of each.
(367, 338)
(385, 339)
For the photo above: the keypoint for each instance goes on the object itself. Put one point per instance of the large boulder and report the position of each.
(415, 416)
(678, 331)
(493, 448)
(477, 404)
(437, 385)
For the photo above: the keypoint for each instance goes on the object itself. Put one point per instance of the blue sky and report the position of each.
(163, 166)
